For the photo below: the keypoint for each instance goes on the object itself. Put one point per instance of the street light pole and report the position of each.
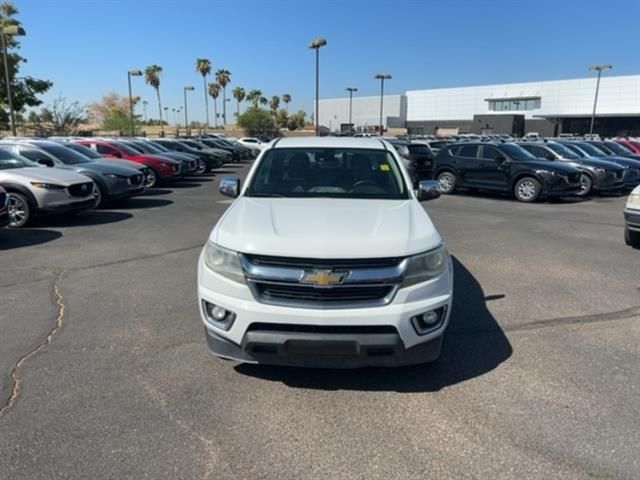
(186, 116)
(10, 30)
(382, 77)
(351, 90)
(317, 44)
(599, 68)
(132, 73)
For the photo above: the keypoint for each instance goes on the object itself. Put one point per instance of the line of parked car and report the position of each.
(531, 169)
(67, 175)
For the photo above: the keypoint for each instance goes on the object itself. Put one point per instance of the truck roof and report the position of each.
(329, 142)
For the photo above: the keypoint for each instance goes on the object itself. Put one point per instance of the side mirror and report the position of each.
(47, 162)
(551, 156)
(229, 186)
(428, 190)
(500, 159)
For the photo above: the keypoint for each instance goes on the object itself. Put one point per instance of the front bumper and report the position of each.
(607, 182)
(337, 338)
(68, 207)
(632, 219)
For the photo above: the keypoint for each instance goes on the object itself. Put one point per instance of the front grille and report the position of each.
(339, 294)
(135, 180)
(80, 189)
(288, 281)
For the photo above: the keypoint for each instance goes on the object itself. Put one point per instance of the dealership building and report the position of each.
(547, 107)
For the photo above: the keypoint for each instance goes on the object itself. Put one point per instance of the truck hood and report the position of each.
(59, 176)
(326, 228)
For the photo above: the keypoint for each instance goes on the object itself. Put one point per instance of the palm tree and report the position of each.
(239, 94)
(152, 77)
(203, 66)
(274, 103)
(223, 77)
(254, 96)
(286, 98)
(214, 91)
(263, 100)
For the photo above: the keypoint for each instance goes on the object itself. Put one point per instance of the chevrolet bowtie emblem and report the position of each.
(323, 278)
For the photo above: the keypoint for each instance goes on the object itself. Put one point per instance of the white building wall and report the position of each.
(561, 98)
(366, 111)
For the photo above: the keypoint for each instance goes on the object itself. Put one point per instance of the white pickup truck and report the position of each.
(326, 259)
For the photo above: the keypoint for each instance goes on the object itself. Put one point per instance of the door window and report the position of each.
(106, 149)
(490, 153)
(470, 151)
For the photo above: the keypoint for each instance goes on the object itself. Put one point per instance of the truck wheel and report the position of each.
(527, 189)
(447, 181)
(631, 238)
(19, 210)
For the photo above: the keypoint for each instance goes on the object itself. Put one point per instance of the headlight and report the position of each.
(224, 262)
(634, 199)
(114, 176)
(599, 170)
(426, 266)
(48, 186)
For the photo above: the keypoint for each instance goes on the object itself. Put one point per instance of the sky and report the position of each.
(86, 47)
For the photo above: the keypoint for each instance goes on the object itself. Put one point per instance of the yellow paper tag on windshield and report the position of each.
(384, 167)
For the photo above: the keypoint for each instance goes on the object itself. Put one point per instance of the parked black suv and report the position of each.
(597, 175)
(417, 159)
(505, 167)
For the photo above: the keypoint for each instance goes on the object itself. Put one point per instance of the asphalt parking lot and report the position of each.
(539, 376)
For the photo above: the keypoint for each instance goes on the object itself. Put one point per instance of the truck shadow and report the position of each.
(474, 344)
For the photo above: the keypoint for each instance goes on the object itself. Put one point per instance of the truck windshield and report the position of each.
(328, 172)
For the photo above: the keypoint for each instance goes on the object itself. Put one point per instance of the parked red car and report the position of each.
(4, 208)
(631, 144)
(162, 169)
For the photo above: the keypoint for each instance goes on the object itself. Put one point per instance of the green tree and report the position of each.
(24, 90)
(256, 121)
(254, 96)
(203, 66)
(152, 77)
(239, 94)
(286, 98)
(297, 120)
(274, 103)
(214, 91)
(112, 112)
(281, 118)
(223, 78)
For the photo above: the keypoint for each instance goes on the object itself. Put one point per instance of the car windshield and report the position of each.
(575, 149)
(516, 152)
(148, 147)
(561, 150)
(11, 160)
(191, 143)
(591, 150)
(617, 148)
(82, 150)
(159, 147)
(65, 155)
(328, 172)
(125, 148)
(135, 147)
(602, 147)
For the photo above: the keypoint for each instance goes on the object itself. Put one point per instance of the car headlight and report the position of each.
(224, 262)
(114, 176)
(634, 199)
(599, 170)
(48, 186)
(426, 266)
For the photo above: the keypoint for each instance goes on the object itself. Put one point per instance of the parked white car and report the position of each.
(253, 143)
(326, 258)
(632, 219)
(35, 190)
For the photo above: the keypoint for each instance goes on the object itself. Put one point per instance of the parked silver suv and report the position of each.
(113, 182)
(35, 190)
